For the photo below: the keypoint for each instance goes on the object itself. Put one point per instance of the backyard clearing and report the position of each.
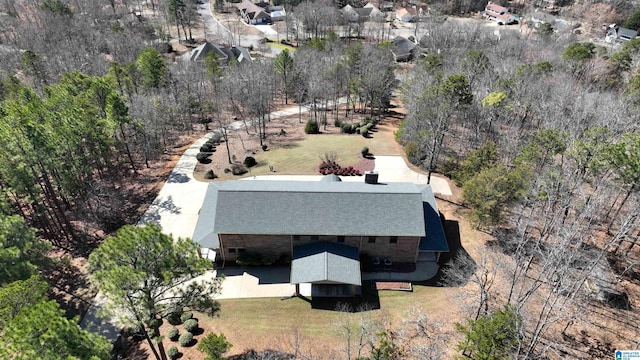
(292, 152)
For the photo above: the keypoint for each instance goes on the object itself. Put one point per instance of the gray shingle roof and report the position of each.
(312, 208)
(203, 234)
(325, 263)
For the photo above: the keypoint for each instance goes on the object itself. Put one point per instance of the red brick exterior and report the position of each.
(404, 250)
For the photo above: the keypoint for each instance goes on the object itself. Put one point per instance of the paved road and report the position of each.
(216, 27)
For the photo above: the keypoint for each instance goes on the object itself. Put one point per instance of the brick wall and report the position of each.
(404, 250)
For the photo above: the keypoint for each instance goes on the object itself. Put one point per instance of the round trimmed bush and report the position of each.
(250, 161)
(172, 352)
(207, 147)
(364, 131)
(174, 317)
(202, 157)
(312, 127)
(365, 151)
(173, 333)
(186, 316)
(209, 174)
(237, 169)
(191, 325)
(185, 339)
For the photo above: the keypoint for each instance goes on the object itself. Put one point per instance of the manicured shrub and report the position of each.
(250, 161)
(209, 174)
(311, 127)
(364, 151)
(173, 333)
(264, 147)
(364, 131)
(136, 332)
(186, 339)
(202, 157)
(172, 352)
(206, 147)
(227, 170)
(174, 316)
(191, 325)
(237, 169)
(337, 123)
(186, 316)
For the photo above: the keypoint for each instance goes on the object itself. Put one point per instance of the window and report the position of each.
(296, 237)
(232, 250)
(340, 239)
(393, 239)
(372, 239)
(241, 250)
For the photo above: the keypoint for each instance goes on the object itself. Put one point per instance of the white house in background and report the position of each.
(375, 12)
(617, 33)
(499, 14)
(405, 14)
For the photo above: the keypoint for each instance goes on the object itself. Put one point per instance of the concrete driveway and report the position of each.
(390, 169)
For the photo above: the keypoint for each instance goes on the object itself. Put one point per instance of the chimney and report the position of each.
(371, 177)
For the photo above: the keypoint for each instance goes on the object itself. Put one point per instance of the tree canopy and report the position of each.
(147, 275)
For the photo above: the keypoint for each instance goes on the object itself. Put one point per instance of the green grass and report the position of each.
(280, 46)
(303, 157)
(270, 318)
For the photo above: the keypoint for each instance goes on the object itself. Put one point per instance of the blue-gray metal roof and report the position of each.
(312, 208)
(435, 239)
(325, 263)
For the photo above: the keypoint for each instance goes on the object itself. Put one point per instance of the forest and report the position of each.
(539, 128)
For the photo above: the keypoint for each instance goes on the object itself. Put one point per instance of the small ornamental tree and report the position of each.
(214, 346)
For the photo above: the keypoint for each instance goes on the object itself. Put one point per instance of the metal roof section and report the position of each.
(325, 263)
(314, 208)
(435, 239)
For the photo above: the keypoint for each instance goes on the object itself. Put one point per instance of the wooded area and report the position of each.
(539, 129)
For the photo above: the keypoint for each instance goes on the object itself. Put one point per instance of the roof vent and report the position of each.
(371, 177)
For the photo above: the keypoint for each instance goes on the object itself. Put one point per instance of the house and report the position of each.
(617, 33)
(499, 14)
(403, 49)
(405, 14)
(252, 13)
(375, 14)
(349, 13)
(277, 13)
(326, 227)
(225, 54)
(366, 13)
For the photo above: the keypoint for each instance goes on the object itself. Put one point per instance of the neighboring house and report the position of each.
(277, 13)
(376, 14)
(403, 49)
(617, 33)
(252, 13)
(225, 54)
(405, 14)
(499, 14)
(349, 14)
(367, 13)
(326, 227)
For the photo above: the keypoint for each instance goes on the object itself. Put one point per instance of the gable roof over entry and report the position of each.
(325, 263)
